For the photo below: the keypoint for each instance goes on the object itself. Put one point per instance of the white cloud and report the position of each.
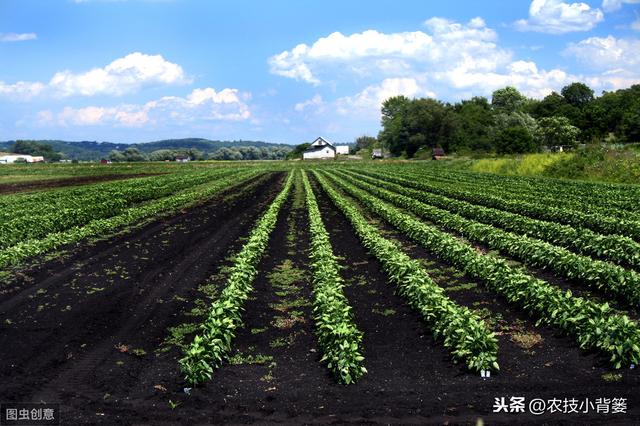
(635, 25)
(369, 100)
(395, 53)
(10, 37)
(454, 60)
(124, 75)
(200, 104)
(121, 76)
(558, 17)
(607, 52)
(22, 90)
(616, 58)
(315, 102)
(613, 5)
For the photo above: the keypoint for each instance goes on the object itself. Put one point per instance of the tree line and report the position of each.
(133, 154)
(510, 122)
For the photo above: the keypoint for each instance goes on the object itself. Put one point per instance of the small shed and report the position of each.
(342, 149)
(104, 161)
(376, 153)
(320, 149)
(437, 153)
(182, 158)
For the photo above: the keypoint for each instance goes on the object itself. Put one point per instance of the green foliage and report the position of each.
(507, 100)
(614, 248)
(36, 149)
(297, 151)
(410, 125)
(577, 94)
(210, 348)
(365, 142)
(594, 325)
(171, 154)
(128, 155)
(461, 330)
(612, 279)
(48, 220)
(557, 131)
(250, 153)
(338, 336)
(514, 140)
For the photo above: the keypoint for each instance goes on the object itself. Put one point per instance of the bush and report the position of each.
(514, 140)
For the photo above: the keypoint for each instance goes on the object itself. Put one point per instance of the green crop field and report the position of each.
(364, 284)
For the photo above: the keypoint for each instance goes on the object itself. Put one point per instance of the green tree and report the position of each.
(553, 131)
(394, 134)
(34, 148)
(297, 151)
(514, 140)
(472, 127)
(365, 142)
(507, 100)
(577, 94)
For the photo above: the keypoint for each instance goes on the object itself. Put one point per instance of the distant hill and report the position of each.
(92, 150)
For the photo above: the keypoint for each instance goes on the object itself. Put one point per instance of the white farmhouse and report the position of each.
(320, 149)
(11, 158)
(342, 149)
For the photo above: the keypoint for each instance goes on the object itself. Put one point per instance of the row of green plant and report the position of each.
(615, 248)
(594, 325)
(548, 191)
(622, 197)
(54, 211)
(596, 222)
(607, 277)
(212, 344)
(461, 330)
(338, 335)
(29, 248)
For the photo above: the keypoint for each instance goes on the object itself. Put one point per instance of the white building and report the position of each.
(342, 149)
(320, 149)
(11, 158)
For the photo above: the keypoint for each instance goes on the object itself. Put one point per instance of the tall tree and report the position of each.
(577, 94)
(507, 100)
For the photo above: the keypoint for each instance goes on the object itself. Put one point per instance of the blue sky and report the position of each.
(287, 71)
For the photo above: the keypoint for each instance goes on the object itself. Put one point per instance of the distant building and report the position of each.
(320, 149)
(104, 161)
(12, 158)
(376, 153)
(182, 158)
(342, 149)
(437, 153)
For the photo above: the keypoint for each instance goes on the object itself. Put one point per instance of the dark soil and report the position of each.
(553, 368)
(38, 185)
(77, 328)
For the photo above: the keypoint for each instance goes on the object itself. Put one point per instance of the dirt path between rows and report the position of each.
(85, 329)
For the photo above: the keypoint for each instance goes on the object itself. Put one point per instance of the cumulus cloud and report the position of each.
(558, 17)
(200, 104)
(371, 98)
(616, 58)
(22, 90)
(607, 52)
(12, 37)
(315, 102)
(393, 53)
(450, 58)
(124, 75)
(613, 5)
(121, 76)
